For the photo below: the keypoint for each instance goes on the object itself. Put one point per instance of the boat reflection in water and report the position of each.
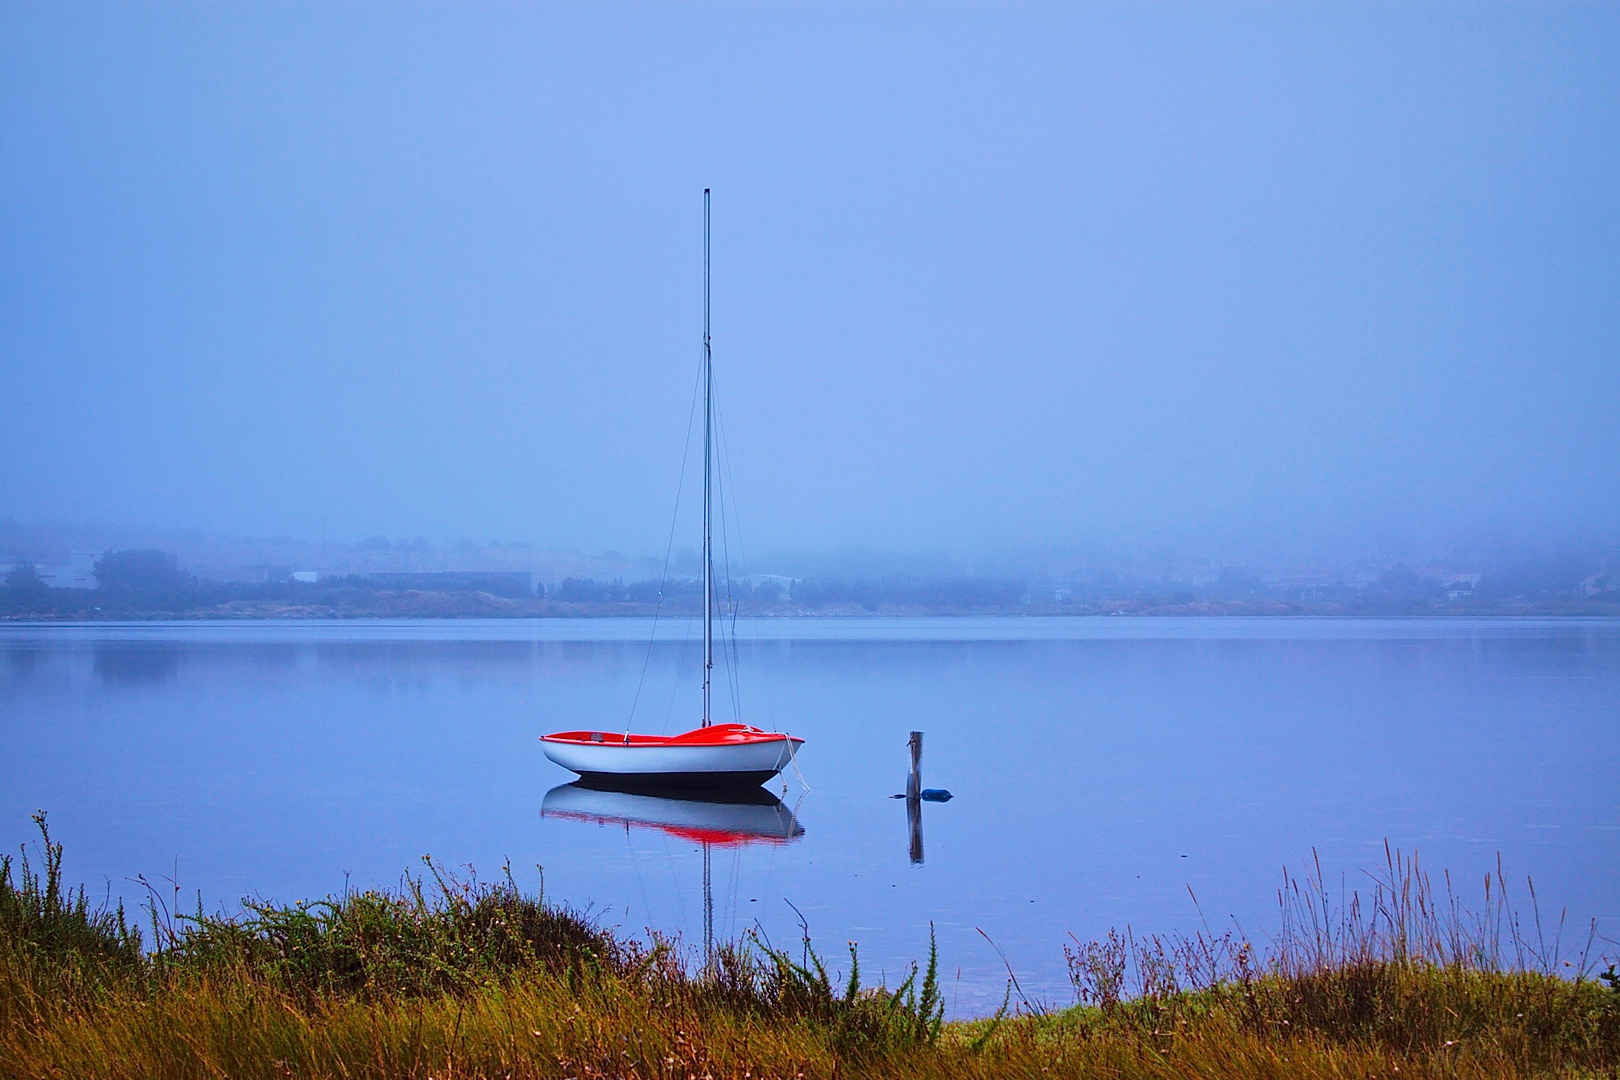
(726, 818)
(719, 818)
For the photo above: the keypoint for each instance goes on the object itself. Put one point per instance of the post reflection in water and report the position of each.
(915, 796)
(914, 829)
(914, 799)
(709, 818)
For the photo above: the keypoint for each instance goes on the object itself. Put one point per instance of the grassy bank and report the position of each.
(444, 978)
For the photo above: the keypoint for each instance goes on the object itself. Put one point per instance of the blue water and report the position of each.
(1104, 770)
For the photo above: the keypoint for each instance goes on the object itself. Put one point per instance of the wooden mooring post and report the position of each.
(914, 781)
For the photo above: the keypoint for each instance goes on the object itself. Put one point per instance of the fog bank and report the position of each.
(1222, 282)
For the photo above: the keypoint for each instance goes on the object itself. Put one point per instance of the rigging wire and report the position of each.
(669, 547)
(680, 670)
(742, 554)
(728, 523)
(635, 863)
(732, 891)
(727, 651)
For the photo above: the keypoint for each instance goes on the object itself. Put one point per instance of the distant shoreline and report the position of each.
(456, 606)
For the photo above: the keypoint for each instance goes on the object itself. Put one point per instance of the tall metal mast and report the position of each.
(708, 510)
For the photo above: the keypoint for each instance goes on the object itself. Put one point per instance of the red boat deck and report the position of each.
(713, 735)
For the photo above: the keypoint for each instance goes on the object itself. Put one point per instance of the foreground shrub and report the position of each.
(447, 978)
(375, 945)
(51, 941)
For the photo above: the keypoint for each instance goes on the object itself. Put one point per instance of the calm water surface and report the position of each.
(1105, 770)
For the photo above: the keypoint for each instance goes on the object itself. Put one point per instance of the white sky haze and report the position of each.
(984, 274)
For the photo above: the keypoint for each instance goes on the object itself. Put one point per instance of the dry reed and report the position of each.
(449, 979)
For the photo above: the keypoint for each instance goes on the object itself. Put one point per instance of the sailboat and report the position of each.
(710, 755)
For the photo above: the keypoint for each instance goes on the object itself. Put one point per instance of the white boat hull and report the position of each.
(753, 761)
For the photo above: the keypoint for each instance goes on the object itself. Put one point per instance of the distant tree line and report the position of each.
(954, 594)
(768, 596)
(591, 591)
(152, 582)
(148, 582)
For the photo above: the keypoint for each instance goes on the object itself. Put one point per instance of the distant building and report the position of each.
(309, 577)
(79, 572)
(782, 584)
(269, 572)
(1460, 586)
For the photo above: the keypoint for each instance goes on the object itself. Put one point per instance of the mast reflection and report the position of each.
(710, 818)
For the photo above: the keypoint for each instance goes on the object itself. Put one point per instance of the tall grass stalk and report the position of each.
(52, 943)
(451, 978)
(1399, 964)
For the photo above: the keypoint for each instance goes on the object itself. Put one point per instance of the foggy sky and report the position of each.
(983, 275)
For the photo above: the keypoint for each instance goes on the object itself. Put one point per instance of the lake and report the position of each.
(1105, 771)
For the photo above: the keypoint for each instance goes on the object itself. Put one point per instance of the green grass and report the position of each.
(447, 978)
